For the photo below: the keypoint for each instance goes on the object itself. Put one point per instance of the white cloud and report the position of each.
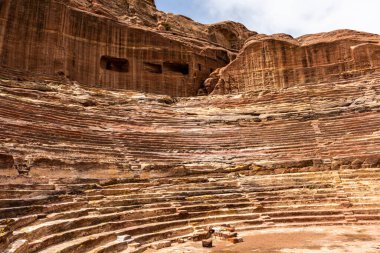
(297, 17)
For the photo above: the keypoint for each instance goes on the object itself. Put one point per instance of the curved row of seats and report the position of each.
(133, 214)
(321, 122)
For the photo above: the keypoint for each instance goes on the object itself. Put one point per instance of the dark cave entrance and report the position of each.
(114, 64)
(182, 68)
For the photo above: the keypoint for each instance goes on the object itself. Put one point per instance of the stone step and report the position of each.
(108, 210)
(365, 211)
(117, 245)
(131, 201)
(244, 210)
(81, 244)
(57, 226)
(18, 246)
(326, 191)
(237, 224)
(15, 223)
(189, 196)
(305, 202)
(300, 207)
(13, 194)
(315, 213)
(365, 217)
(295, 219)
(314, 224)
(150, 240)
(67, 215)
(298, 196)
(14, 212)
(28, 187)
(42, 200)
(222, 218)
(70, 240)
(208, 207)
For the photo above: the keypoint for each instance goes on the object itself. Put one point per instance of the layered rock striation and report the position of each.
(92, 161)
(112, 44)
(98, 133)
(280, 61)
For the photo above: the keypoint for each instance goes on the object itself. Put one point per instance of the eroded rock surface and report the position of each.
(113, 44)
(280, 61)
(91, 160)
(319, 126)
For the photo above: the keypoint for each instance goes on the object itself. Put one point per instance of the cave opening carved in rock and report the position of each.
(114, 64)
(153, 67)
(182, 68)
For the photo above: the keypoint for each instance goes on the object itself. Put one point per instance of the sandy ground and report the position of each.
(303, 240)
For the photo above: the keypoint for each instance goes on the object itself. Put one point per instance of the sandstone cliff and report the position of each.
(113, 44)
(230, 35)
(280, 61)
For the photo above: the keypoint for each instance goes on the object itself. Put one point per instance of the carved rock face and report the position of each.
(114, 44)
(276, 62)
(229, 34)
(102, 52)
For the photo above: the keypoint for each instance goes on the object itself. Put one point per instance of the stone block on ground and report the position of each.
(207, 243)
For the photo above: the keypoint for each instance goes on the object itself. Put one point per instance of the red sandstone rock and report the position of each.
(207, 243)
(235, 240)
(229, 34)
(304, 105)
(6, 161)
(115, 171)
(279, 61)
(161, 245)
(125, 133)
(113, 44)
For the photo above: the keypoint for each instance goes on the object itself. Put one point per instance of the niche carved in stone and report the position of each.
(182, 68)
(114, 64)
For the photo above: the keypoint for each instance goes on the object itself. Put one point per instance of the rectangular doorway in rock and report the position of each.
(153, 67)
(114, 64)
(182, 68)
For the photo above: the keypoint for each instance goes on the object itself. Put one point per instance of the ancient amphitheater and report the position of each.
(127, 129)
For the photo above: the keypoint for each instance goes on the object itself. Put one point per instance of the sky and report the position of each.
(295, 17)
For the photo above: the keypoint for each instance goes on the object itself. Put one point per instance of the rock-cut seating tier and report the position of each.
(131, 215)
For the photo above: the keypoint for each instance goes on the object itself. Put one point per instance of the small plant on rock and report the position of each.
(167, 26)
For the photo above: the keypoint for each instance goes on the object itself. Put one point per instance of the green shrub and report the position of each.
(167, 26)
